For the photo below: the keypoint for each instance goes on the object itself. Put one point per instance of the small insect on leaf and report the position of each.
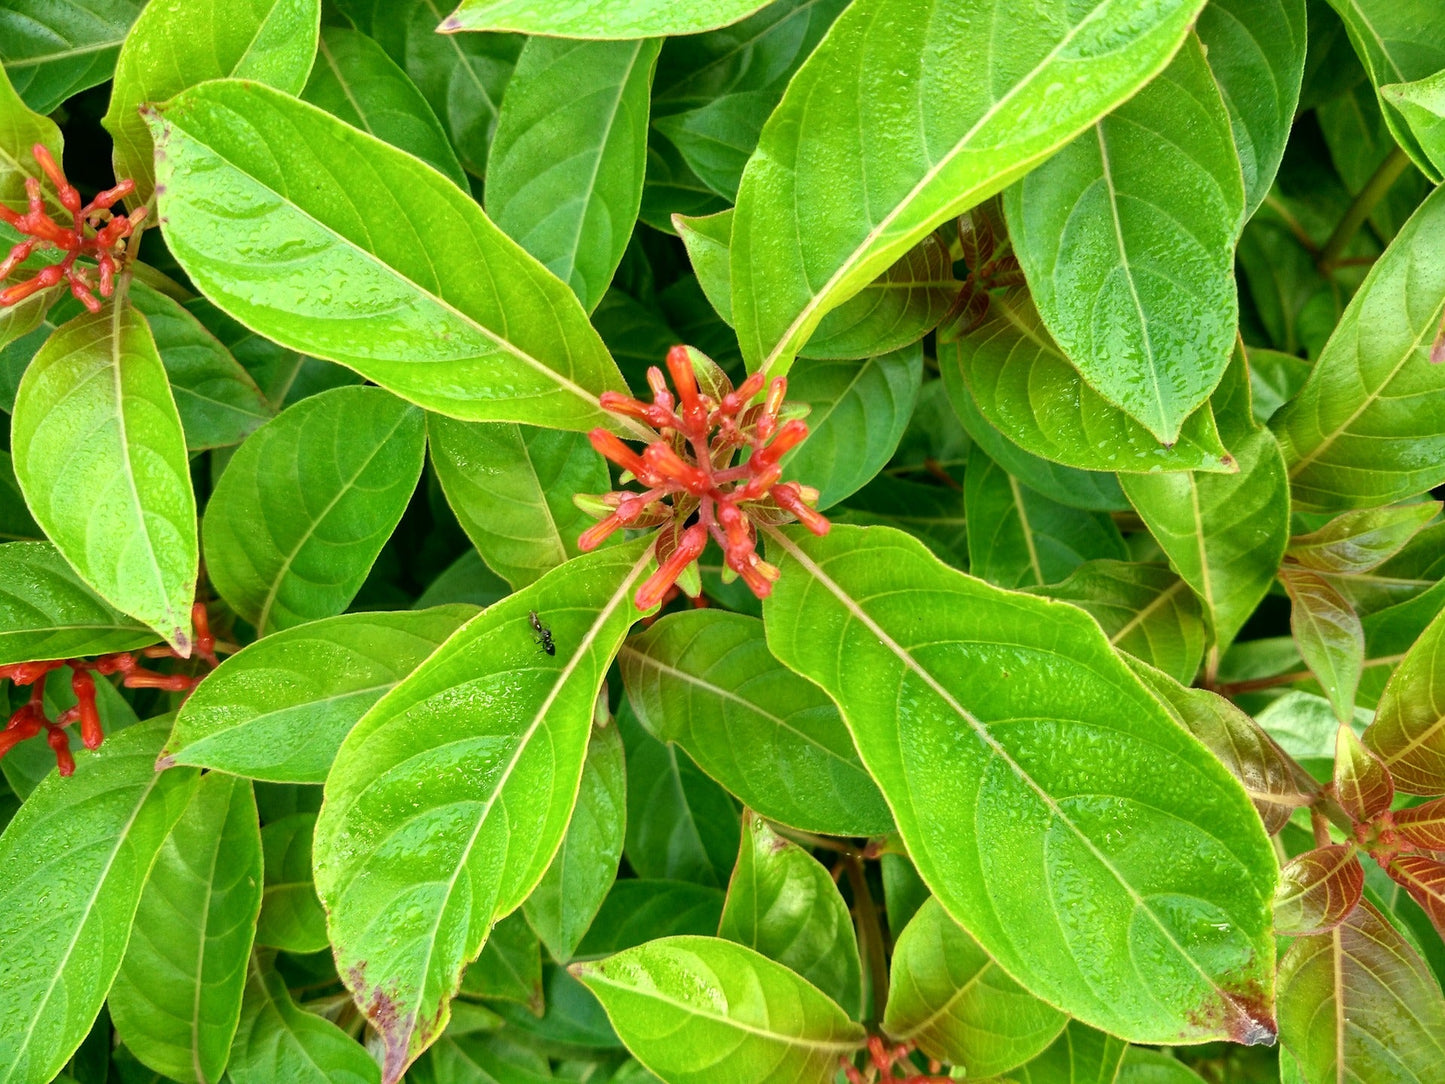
(544, 634)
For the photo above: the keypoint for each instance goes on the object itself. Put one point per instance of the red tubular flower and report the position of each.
(696, 490)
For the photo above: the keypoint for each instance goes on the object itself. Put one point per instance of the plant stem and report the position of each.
(870, 935)
(1375, 188)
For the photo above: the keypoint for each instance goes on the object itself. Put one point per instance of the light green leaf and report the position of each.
(1012, 373)
(639, 910)
(571, 892)
(574, 211)
(307, 502)
(511, 487)
(841, 187)
(278, 1041)
(1330, 638)
(1080, 1055)
(947, 995)
(1127, 238)
(291, 915)
(1422, 106)
(175, 46)
(52, 51)
(1019, 538)
(177, 997)
(607, 19)
(483, 745)
(48, 612)
(101, 458)
(279, 708)
(1366, 428)
(981, 714)
(356, 81)
(1359, 541)
(108, 821)
(510, 966)
(784, 904)
(685, 1004)
(1409, 728)
(255, 212)
(20, 130)
(705, 680)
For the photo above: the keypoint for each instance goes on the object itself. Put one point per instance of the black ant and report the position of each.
(544, 634)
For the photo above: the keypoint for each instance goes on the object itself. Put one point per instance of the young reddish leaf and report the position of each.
(1330, 637)
(1424, 878)
(1409, 727)
(1363, 539)
(1423, 825)
(1362, 782)
(1318, 889)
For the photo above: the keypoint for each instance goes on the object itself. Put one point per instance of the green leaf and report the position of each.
(279, 708)
(51, 51)
(307, 502)
(175, 46)
(672, 188)
(685, 1004)
(277, 1041)
(1256, 52)
(1360, 143)
(1274, 379)
(510, 966)
(932, 514)
(840, 188)
(1011, 372)
(639, 910)
(1143, 609)
(48, 612)
(947, 995)
(16, 523)
(572, 891)
(1144, 1066)
(101, 459)
(784, 904)
(598, 18)
(483, 746)
(1080, 1055)
(291, 915)
(107, 822)
(981, 713)
(1358, 1003)
(1127, 238)
(511, 487)
(1359, 541)
(177, 997)
(573, 211)
(254, 213)
(1318, 890)
(492, 1059)
(466, 580)
(1019, 538)
(20, 130)
(1422, 106)
(356, 81)
(705, 680)
(574, 1025)
(1409, 728)
(1330, 638)
(713, 92)
(1366, 429)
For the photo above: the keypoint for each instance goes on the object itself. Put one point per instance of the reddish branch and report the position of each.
(888, 1062)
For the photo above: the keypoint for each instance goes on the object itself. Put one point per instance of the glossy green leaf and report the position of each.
(598, 18)
(639, 910)
(511, 487)
(1360, 145)
(1422, 106)
(483, 746)
(291, 915)
(714, 91)
(481, 1060)
(1080, 1055)
(573, 211)
(1019, 538)
(683, 1005)
(1330, 638)
(48, 612)
(672, 188)
(1409, 728)
(101, 458)
(705, 680)
(108, 821)
(961, 698)
(466, 580)
(355, 80)
(175, 46)
(1143, 609)
(254, 212)
(307, 502)
(51, 51)
(177, 997)
(1341, 996)
(932, 514)
(279, 708)
(277, 1040)
(16, 522)
(1256, 51)
(1145, 1066)
(574, 1024)
(510, 966)
(20, 130)
(784, 904)
(571, 892)
(1363, 539)
(840, 188)
(1011, 371)
(1274, 379)
(947, 995)
(1366, 429)
(1127, 238)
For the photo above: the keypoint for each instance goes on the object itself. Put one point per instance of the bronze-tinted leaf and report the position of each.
(1423, 825)
(1362, 782)
(1318, 890)
(1424, 878)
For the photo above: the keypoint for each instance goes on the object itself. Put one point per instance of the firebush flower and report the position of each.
(698, 486)
(97, 234)
(31, 719)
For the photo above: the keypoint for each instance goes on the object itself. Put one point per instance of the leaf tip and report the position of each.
(451, 24)
(165, 761)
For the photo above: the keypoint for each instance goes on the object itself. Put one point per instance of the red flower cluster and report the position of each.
(105, 243)
(689, 472)
(886, 1062)
(30, 719)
